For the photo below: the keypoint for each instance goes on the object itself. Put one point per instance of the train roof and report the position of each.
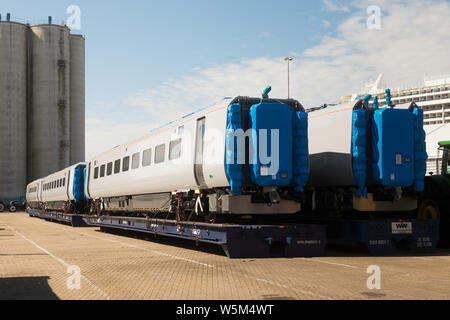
(222, 103)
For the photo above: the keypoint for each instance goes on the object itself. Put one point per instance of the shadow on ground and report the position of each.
(29, 288)
(169, 241)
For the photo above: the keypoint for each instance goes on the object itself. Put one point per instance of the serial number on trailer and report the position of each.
(225, 310)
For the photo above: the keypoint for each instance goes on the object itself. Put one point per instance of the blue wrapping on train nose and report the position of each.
(232, 164)
(78, 184)
(393, 147)
(272, 144)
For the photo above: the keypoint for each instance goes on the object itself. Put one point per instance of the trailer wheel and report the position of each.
(2, 207)
(429, 210)
(12, 209)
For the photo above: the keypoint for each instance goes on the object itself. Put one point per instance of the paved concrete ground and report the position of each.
(35, 256)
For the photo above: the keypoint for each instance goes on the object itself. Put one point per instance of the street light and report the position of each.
(289, 59)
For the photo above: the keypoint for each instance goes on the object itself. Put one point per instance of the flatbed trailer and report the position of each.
(383, 236)
(237, 241)
(74, 220)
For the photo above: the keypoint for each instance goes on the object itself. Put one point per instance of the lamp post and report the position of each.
(289, 59)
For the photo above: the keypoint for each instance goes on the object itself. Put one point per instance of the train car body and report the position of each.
(242, 156)
(209, 162)
(34, 194)
(367, 159)
(62, 191)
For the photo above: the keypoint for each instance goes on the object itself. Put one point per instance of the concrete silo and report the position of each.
(49, 116)
(77, 99)
(13, 109)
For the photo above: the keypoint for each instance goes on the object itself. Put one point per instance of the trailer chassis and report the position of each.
(237, 241)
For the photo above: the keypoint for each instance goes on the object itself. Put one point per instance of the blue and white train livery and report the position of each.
(242, 156)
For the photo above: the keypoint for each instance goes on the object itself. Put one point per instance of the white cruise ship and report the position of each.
(433, 97)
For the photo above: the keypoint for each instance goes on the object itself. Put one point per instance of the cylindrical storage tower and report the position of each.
(49, 120)
(13, 108)
(77, 99)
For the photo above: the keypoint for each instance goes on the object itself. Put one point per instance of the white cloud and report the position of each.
(332, 6)
(102, 135)
(413, 40)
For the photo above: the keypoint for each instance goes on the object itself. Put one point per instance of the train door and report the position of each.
(199, 148)
(67, 181)
(39, 191)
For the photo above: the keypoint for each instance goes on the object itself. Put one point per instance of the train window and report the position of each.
(57, 183)
(147, 158)
(109, 169)
(160, 153)
(102, 171)
(117, 167)
(175, 149)
(96, 173)
(126, 164)
(181, 130)
(135, 161)
(64, 182)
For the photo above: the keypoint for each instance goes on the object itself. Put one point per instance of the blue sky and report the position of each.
(138, 44)
(148, 62)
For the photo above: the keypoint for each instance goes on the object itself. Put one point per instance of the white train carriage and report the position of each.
(34, 194)
(194, 165)
(367, 159)
(61, 191)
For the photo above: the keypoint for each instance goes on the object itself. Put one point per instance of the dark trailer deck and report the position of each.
(72, 219)
(238, 241)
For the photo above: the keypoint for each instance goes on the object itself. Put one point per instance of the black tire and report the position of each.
(2, 207)
(12, 209)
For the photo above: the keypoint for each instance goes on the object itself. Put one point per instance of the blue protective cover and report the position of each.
(393, 147)
(84, 181)
(301, 150)
(78, 184)
(233, 168)
(359, 150)
(267, 117)
(420, 151)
